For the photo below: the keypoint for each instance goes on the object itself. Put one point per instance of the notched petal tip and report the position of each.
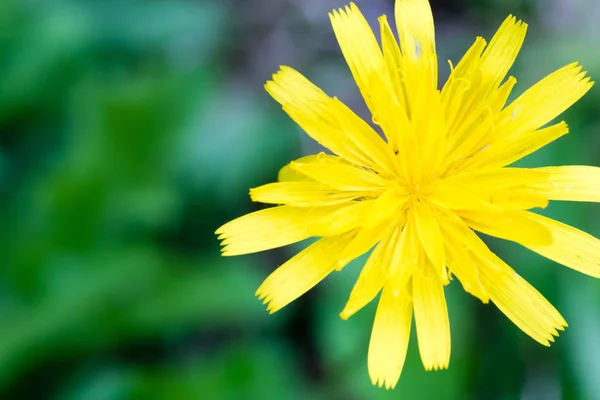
(383, 382)
(275, 77)
(331, 16)
(335, 14)
(253, 192)
(436, 367)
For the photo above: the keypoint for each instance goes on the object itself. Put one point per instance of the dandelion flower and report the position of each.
(418, 193)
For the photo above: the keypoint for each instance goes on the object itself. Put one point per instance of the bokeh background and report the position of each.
(131, 130)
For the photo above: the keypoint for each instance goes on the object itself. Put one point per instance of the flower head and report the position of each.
(418, 195)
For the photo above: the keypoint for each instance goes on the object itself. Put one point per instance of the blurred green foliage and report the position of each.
(129, 131)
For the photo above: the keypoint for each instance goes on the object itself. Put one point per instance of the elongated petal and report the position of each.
(499, 56)
(405, 256)
(379, 219)
(510, 199)
(459, 255)
(365, 138)
(571, 183)
(344, 218)
(430, 138)
(373, 275)
(358, 44)
(301, 194)
(389, 338)
(471, 95)
(393, 60)
(493, 190)
(518, 300)
(498, 178)
(431, 237)
(419, 60)
(510, 149)
(268, 229)
(461, 264)
(547, 99)
(341, 177)
(571, 247)
(415, 28)
(483, 96)
(456, 91)
(302, 272)
(368, 67)
(317, 114)
(431, 318)
(515, 226)
(287, 174)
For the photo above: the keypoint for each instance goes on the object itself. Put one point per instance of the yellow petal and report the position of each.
(515, 226)
(415, 28)
(571, 183)
(341, 177)
(364, 137)
(301, 194)
(430, 234)
(431, 318)
(405, 255)
(366, 62)
(492, 190)
(373, 275)
(315, 112)
(268, 229)
(461, 264)
(389, 338)
(500, 96)
(450, 197)
(307, 105)
(456, 91)
(509, 199)
(358, 44)
(460, 259)
(518, 300)
(414, 22)
(393, 60)
(546, 100)
(474, 132)
(471, 95)
(514, 147)
(571, 247)
(430, 138)
(497, 178)
(287, 174)
(470, 136)
(502, 51)
(302, 272)
(345, 218)
(379, 219)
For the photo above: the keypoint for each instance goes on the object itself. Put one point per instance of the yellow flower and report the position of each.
(418, 195)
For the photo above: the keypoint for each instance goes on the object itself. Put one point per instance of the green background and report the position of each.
(131, 130)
